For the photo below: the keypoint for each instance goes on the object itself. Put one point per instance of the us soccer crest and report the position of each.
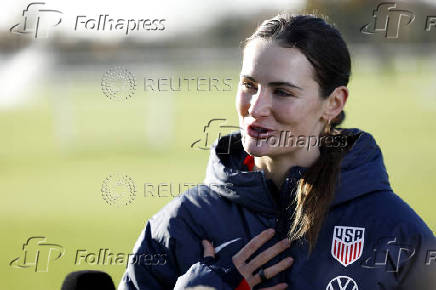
(347, 244)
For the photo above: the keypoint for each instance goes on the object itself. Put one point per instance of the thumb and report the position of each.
(209, 250)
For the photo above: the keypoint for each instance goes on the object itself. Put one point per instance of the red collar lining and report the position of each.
(249, 161)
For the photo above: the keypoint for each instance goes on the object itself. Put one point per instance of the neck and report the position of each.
(276, 167)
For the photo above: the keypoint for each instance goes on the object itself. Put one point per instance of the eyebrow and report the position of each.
(274, 84)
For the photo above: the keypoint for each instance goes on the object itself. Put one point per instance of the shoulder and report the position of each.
(184, 210)
(394, 209)
(387, 213)
(197, 197)
(407, 239)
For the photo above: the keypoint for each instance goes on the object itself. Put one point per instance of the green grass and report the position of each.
(51, 184)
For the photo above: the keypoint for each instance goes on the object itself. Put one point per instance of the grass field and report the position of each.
(54, 158)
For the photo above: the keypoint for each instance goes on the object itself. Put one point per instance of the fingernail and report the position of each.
(289, 260)
(286, 242)
(271, 231)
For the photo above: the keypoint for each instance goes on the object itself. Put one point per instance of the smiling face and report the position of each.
(277, 95)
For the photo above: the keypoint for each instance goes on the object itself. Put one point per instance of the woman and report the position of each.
(314, 211)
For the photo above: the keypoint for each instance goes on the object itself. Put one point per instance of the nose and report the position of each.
(260, 103)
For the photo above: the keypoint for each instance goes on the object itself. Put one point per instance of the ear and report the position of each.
(335, 102)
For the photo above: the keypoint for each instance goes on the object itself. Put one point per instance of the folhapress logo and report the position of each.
(37, 20)
(107, 23)
(213, 130)
(389, 20)
(38, 254)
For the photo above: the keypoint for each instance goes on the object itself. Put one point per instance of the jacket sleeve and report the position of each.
(166, 248)
(151, 265)
(420, 271)
(211, 276)
(200, 275)
(170, 244)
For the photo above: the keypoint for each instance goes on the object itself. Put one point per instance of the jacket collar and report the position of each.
(362, 172)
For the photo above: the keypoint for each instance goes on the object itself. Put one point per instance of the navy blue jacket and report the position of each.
(371, 239)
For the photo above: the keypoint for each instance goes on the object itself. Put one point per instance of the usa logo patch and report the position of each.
(347, 244)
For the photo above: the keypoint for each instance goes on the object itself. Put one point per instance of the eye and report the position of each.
(283, 93)
(248, 85)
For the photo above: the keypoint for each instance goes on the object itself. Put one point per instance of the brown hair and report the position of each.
(323, 46)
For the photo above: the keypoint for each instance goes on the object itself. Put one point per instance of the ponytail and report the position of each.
(316, 189)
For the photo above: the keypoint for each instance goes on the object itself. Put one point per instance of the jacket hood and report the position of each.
(362, 172)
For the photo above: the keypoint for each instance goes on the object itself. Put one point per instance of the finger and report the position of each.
(209, 251)
(251, 247)
(268, 254)
(274, 269)
(276, 287)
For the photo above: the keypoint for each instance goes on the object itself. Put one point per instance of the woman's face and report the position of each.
(277, 100)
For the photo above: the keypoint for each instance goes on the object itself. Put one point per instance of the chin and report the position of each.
(255, 148)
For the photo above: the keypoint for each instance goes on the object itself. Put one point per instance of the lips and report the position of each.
(258, 132)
